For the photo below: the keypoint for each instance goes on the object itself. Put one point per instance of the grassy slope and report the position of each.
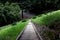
(47, 19)
(11, 32)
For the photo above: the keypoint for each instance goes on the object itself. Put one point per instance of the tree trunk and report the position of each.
(22, 14)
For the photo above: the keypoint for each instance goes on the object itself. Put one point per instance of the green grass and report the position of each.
(48, 19)
(10, 32)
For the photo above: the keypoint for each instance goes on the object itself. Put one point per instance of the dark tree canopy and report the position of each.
(40, 6)
(9, 13)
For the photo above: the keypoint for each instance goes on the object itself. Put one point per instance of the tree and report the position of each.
(9, 13)
(40, 6)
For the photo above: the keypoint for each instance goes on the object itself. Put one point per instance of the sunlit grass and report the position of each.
(47, 19)
(11, 32)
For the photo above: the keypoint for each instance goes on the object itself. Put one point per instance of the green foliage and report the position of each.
(49, 18)
(52, 22)
(34, 17)
(13, 23)
(10, 32)
(9, 12)
(39, 6)
(24, 20)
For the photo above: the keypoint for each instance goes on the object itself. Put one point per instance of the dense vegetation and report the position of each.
(36, 6)
(11, 32)
(40, 6)
(50, 20)
(9, 13)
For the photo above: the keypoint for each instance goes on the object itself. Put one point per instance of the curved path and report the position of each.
(29, 33)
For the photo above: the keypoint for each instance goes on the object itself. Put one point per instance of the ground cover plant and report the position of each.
(52, 21)
(47, 19)
(10, 32)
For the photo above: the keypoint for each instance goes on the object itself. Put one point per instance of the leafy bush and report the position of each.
(24, 20)
(40, 6)
(9, 13)
(34, 17)
(14, 23)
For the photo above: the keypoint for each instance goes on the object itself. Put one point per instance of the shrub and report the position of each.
(24, 20)
(34, 17)
(9, 13)
(14, 23)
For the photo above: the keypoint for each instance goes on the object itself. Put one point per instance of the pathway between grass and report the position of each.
(29, 33)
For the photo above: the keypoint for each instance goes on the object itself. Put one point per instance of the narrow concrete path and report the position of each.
(29, 33)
